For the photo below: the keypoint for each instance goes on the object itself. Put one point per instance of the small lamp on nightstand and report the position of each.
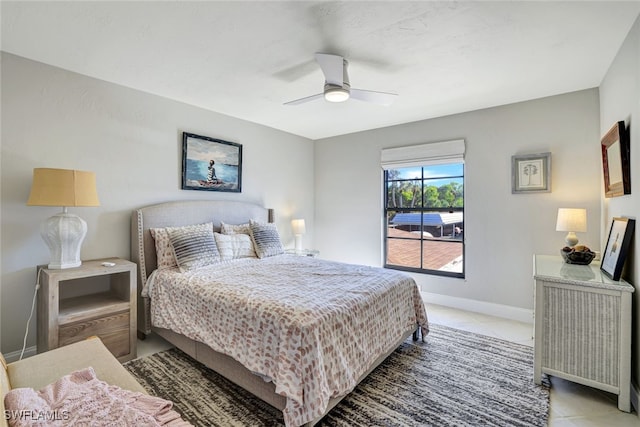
(298, 230)
(64, 232)
(572, 221)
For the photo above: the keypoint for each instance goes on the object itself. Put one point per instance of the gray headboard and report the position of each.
(175, 214)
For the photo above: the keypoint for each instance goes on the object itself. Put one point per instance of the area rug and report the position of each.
(456, 378)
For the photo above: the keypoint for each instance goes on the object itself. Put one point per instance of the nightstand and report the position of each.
(582, 326)
(76, 303)
(303, 252)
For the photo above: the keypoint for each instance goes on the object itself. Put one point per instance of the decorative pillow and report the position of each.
(266, 239)
(235, 229)
(232, 246)
(164, 250)
(194, 246)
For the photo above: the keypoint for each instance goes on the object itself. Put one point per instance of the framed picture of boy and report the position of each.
(211, 164)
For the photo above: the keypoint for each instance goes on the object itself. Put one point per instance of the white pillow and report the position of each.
(235, 229)
(164, 250)
(233, 246)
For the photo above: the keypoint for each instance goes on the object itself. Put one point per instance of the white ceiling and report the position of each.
(245, 59)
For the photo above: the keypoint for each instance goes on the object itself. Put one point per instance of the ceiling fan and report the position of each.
(337, 87)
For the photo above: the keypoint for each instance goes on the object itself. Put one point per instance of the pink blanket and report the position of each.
(81, 399)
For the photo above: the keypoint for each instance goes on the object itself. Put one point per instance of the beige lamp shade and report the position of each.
(63, 187)
(572, 221)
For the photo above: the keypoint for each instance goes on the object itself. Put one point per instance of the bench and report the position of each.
(43, 369)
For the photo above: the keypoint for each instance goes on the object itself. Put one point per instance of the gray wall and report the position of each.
(619, 100)
(502, 230)
(132, 141)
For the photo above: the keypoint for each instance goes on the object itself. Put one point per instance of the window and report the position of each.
(424, 212)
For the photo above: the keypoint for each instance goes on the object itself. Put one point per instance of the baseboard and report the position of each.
(635, 397)
(15, 355)
(489, 308)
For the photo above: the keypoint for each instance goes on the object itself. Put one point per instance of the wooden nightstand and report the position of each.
(76, 303)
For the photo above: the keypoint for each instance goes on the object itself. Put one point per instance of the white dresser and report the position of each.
(582, 326)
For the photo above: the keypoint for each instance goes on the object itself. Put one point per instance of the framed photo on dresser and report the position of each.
(615, 252)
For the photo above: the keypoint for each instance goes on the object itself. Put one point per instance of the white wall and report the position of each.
(133, 142)
(502, 230)
(620, 100)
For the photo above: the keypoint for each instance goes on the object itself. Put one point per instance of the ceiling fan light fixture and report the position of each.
(337, 94)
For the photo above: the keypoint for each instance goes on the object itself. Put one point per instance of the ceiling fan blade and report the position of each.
(306, 99)
(332, 66)
(380, 98)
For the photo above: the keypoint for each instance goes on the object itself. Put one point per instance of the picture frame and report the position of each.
(210, 164)
(615, 161)
(531, 173)
(618, 242)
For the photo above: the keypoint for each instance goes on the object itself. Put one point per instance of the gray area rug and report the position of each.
(456, 378)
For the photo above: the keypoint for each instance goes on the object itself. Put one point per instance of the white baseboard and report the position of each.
(15, 355)
(489, 308)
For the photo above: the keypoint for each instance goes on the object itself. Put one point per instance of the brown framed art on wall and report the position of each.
(615, 161)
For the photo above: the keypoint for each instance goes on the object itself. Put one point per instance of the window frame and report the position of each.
(423, 210)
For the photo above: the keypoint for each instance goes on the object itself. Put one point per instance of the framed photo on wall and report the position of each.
(211, 164)
(531, 173)
(615, 251)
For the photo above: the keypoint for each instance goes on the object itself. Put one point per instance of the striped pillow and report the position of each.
(266, 239)
(232, 246)
(194, 246)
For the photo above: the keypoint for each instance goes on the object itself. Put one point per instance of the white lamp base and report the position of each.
(63, 233)
(298, 242)
(571, 239)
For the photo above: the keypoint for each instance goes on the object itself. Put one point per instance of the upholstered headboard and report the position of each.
(175, 214)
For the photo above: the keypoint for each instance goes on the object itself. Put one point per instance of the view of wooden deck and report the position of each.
(437, 255)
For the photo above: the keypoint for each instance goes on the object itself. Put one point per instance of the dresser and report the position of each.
(582, 328)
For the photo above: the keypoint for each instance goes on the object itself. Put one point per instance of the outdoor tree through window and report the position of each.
(424, 214)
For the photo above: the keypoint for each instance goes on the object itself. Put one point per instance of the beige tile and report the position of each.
(152, 344)
(569, 399)
(620, 419)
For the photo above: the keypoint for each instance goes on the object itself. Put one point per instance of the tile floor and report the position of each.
(571, 404)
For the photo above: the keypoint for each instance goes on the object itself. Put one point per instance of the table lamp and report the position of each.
(298, 230)
(64, 232)
(571, 221)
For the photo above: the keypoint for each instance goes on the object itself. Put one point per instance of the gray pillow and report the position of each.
(266, 239)
(194, 246)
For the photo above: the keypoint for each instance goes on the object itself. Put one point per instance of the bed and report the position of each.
(298, 332)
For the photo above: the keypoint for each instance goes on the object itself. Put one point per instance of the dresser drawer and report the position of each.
(113, 330)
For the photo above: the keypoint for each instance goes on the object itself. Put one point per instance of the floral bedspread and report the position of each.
(312, 326)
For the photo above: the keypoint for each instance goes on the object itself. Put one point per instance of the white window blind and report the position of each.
(424, 154)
